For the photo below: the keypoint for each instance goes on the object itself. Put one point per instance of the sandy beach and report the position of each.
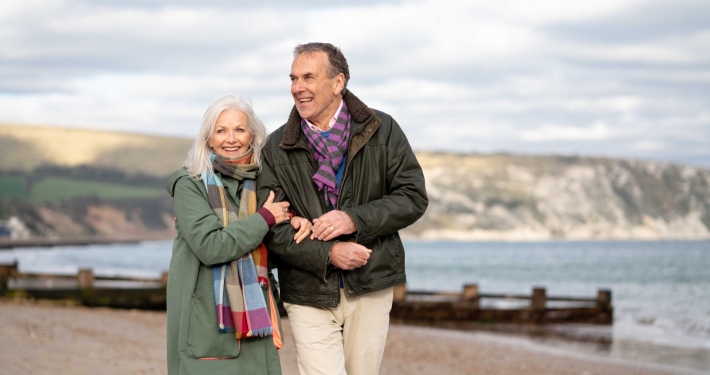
(46, 338)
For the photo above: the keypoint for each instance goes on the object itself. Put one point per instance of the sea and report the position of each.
(660, 289)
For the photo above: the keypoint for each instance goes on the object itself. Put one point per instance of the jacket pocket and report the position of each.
(395, 247)
(203, 338)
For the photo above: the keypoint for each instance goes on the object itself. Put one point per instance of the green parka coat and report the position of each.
(382, 190)
(202, 242)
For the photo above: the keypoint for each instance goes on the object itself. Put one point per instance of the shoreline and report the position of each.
(512, 238)
(42, 242)
(48, 338)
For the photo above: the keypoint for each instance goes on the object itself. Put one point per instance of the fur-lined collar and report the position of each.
(358, 110)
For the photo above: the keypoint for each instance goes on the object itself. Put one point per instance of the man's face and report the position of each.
(316, 96)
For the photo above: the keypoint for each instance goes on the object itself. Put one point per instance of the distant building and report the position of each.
(13, 228)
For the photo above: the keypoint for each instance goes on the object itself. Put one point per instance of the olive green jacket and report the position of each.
(382, 190)
(200, 243)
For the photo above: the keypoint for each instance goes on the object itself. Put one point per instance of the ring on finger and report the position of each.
(331, 228)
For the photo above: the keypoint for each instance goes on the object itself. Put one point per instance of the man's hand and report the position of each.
(331, 225)
(349, 255)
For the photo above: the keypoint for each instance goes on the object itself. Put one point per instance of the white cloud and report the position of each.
(550, 133)
(619, 104)
(649, 145)
(545, 76)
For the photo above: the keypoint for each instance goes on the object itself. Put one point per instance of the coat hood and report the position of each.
(180, 173)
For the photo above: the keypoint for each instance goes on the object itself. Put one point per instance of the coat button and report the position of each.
(350, 291)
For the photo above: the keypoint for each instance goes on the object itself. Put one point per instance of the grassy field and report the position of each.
(12, 187)
(55, 189)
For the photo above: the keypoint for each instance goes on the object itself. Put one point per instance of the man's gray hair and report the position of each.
(198, 158)
(338, 63)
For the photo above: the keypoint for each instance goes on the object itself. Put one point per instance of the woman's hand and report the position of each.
(278, 209)
(303, 226)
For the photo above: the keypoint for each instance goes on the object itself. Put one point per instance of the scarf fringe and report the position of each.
(224, 329)
(263, 332)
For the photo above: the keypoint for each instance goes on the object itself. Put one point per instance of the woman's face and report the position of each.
(231, 137)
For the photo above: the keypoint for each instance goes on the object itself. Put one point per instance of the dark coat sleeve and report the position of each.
(311, 256)
(406, 199)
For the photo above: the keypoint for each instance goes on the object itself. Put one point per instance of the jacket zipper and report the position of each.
(337, 202)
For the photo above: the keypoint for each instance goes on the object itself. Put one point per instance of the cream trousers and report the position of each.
(345, 340)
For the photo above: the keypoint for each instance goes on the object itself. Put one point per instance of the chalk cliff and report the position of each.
(512, 197)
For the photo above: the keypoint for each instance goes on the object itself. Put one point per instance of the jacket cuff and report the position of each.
(328, 265)
(268, 217)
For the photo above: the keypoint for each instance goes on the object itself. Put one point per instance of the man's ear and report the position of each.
(339, 84)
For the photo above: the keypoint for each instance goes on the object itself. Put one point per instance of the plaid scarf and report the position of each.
(328, 153)
(241, 307)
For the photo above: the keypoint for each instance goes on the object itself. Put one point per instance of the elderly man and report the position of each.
(350, 170)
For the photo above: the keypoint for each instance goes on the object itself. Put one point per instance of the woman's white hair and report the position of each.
(198, 158)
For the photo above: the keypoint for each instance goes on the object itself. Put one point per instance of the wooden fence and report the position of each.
(86, 288)
(408, 306)
(537, 308)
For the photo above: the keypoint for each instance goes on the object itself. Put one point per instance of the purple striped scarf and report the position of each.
(329, 153)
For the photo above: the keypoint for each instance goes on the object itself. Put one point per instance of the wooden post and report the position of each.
(604, 299)
(164, 279)
(4, 276)
(13, 269)
(470, 293)
(539, 299)
(85, 278)
(400, 293)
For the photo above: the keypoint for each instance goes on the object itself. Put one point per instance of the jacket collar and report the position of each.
(360, 113)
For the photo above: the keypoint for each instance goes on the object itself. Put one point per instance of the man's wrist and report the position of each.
(330, 254)
(353, 222)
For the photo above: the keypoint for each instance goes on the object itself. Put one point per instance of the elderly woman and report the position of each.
(222, 315)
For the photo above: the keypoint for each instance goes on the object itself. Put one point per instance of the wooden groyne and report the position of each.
(416, 307)
(468, 306)
(86, 289)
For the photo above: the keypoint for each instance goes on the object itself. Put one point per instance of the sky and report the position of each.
(616, 78)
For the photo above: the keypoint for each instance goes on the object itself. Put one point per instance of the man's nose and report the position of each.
(296, 85)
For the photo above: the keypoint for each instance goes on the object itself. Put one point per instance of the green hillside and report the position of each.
(55, 189)
(12, 187)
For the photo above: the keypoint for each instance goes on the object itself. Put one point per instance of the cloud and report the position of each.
(618, 78)
(546, 133)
